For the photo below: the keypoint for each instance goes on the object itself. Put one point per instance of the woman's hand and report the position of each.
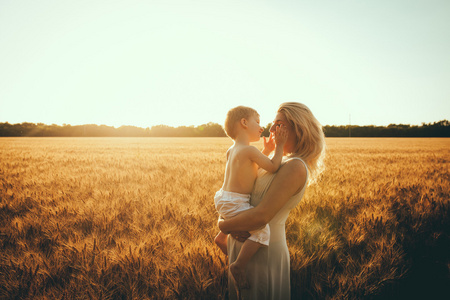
(240, 236)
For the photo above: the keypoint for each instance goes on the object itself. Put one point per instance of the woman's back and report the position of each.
(269, 269)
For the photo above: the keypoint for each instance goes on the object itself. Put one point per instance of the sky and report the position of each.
(187, 62)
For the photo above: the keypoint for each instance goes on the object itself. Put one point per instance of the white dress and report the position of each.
(269, 269)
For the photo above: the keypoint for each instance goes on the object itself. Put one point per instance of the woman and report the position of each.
(274, 195)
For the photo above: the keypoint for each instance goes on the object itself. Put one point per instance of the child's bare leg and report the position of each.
(221, 241)
(237, 268)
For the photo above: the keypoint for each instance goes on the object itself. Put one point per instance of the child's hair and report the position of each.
(234, 116)
(310, 137)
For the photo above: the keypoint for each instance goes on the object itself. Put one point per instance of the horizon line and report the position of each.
(67, 124)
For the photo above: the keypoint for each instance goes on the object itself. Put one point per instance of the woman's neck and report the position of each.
(289, 147)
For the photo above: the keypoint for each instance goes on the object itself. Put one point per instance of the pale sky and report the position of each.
(186, 62)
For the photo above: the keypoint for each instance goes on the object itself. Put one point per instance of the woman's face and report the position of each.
(280, 119)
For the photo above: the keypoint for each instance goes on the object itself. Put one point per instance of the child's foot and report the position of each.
(240, 280)
(222, 243)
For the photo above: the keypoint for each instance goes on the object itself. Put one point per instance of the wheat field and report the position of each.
(134, 218)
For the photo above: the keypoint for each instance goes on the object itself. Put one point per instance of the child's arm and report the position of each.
(269, 145)
(271, 165)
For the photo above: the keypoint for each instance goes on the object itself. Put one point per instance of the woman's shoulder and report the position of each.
(295, 164)
(294, 171)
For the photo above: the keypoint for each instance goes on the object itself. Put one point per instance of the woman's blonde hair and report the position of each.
(310, 137)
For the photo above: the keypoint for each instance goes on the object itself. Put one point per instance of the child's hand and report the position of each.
(269, 144)
(281, 135)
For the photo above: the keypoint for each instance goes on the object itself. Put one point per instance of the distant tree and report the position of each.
(210, 130)
(162, 131)
(130, 131)
(6, 129)
(436, 129)
(266, 131)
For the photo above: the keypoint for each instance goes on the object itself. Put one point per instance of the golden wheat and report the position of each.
(134, 218)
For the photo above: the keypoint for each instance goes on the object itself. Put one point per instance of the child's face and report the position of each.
(255, 130)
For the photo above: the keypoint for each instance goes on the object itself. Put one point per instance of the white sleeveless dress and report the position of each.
(269, 269)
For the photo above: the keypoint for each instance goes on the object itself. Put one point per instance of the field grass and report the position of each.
(133, 218)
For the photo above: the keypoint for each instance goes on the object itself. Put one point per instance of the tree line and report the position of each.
(436, 129)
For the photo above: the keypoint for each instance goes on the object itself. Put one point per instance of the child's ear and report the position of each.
(244, 122)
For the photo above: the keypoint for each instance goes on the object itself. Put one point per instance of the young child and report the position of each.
(243, 160)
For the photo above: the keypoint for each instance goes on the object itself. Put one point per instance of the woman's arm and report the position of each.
(289, 180)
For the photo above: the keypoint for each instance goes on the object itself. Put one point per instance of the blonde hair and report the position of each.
(310, 145)
(234, 116)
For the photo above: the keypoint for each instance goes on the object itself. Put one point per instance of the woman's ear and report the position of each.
(244, 122)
